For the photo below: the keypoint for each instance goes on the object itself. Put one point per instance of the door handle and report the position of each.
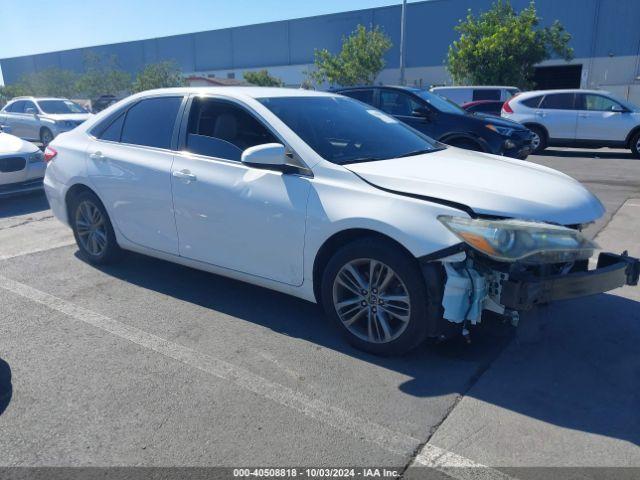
(98, 156)
(583, 115)
(185, 175)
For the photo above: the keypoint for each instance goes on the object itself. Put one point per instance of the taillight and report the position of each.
(49, 154)
(506, 107)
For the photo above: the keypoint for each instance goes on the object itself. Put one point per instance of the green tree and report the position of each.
(102, 76)
(262, 78)
(359, 62)
(158, 75)
(52, 82)
(501, 46)
(7, 92)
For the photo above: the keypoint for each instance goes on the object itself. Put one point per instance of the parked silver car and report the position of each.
(22, 165)
(576, 118)
(41, 119)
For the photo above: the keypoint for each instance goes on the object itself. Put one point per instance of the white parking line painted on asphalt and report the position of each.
(29, 251)
(456, 466)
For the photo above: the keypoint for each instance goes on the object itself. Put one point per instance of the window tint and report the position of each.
(365, 96)
(28, 104)
(113, 131)
(223, 130)
(558, 101)
(342, 130)
(150, 122)
(17, 107)
(532, 102)
(397, 103)
(598, 103)
(486, 94)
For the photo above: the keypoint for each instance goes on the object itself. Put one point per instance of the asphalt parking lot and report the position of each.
(147, 363)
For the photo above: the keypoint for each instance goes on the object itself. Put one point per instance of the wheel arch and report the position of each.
(332, 244)
(634, 131)
(465, 136)
(73, 192)
(539, 126)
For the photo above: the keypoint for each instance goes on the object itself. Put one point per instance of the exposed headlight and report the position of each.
(36, 157)
(519, 240)
(504, 131)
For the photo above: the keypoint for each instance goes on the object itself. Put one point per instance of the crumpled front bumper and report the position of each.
(612, 271)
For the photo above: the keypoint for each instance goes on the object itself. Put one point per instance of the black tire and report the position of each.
(406, 269)
(111, 252)
(542, 136)
(635, 145)
(46, 136)
(465, 143)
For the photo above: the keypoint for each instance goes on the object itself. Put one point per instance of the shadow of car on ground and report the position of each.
(551, 152)
(580, 370)
(24, 204)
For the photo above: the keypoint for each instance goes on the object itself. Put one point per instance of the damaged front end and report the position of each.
(510, 266)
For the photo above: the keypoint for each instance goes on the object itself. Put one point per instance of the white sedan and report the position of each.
(328, 199)
(21, 166)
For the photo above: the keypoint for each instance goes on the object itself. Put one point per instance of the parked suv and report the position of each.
(445, 121)
(41, 119)
(577, 118)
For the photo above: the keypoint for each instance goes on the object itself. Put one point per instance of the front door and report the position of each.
(401, 105)
(130, 167)
(599, 120)
(231, 215)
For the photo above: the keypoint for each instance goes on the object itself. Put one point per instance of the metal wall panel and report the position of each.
(261, 45)
(618, 29)
(214, 50)
(179, 48)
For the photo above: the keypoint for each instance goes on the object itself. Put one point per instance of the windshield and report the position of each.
(60, 106)
(440, 103)
(342, 130)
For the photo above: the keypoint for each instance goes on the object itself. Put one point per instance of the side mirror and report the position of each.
(618, 109)
(422, 112)
(268, 155)
(30, 111)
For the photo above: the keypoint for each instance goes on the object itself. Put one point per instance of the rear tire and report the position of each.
(382, 309)
(92, 229)
(635, 145)
(46, 136)
(539, 141)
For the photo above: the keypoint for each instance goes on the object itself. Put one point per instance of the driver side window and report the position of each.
(397, 103)
(599, 103)
(221, 129)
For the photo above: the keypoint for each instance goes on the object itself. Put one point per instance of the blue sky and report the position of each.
(37, 26)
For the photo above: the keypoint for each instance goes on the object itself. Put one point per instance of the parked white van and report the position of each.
(465, 94)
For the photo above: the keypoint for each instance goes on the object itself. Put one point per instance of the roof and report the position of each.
(254, 92)
(476, 87)
(566, 90)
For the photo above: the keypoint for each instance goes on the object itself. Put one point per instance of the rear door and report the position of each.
(598, 120)
(31, 121)
(13, 118)
(129, 165)
(558, 114)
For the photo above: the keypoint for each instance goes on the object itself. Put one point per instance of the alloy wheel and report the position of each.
(535, 141)
(371, 300)
(91, 228)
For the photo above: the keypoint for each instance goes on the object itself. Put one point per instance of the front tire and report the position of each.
(46, 136)
(377, 296)
(92, 230)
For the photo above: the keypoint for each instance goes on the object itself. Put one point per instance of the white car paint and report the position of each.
(465, 94)
(27, 178)
(266, 227)
(579, 125)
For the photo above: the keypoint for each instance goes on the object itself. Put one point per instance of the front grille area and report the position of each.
(12, 164)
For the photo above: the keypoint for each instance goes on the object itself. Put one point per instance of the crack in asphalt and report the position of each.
(27, 221)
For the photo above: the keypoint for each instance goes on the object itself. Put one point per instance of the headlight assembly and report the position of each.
(504, 131)
(521, 241)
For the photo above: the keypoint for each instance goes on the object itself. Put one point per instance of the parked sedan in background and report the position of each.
(473, 93)
(325, 198)
(22, 165)
(577, 118)
(445, 121)
(41, 119)
(489, 107)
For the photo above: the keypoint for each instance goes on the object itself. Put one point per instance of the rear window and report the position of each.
(365, 96)
(113, 131)
(532, 102)
(486, 94)
(558, 101)
(150, 122)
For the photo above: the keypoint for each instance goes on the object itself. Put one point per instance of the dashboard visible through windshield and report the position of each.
(342, 130)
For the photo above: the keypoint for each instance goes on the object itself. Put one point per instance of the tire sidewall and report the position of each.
(112, 251)
(541, 135)
(406, 268)
(634, 144)
(42, 134)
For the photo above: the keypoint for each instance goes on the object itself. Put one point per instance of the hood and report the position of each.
(495, 120)
(11, 144)
(76, 117)
(488, 184)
